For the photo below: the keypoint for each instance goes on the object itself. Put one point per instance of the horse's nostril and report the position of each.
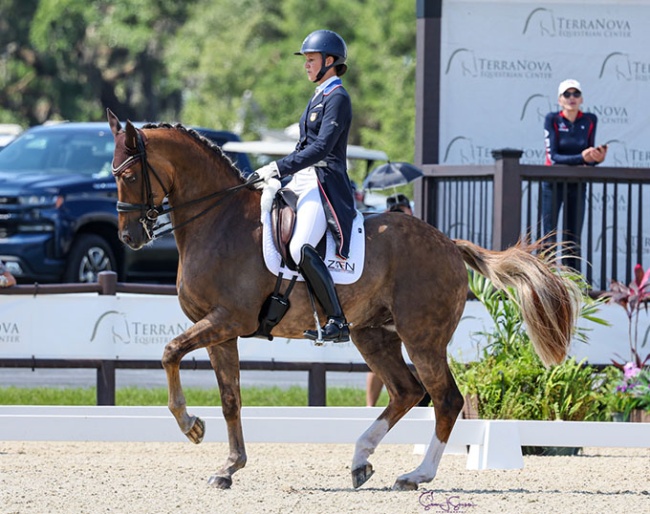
(125, 237)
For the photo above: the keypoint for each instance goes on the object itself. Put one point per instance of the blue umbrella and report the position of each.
(392, 174)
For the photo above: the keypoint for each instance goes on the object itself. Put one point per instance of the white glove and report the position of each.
(268, 194)
(266, 173)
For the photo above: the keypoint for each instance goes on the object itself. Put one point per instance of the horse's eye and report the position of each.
(130, 178)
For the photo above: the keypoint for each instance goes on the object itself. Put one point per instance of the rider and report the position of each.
(318, 171)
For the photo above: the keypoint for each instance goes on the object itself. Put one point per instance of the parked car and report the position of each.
(58, 218)
(8, 132)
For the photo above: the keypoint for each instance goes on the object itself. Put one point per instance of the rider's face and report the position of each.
(313, 63)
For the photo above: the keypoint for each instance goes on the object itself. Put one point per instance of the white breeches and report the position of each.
(311, 223)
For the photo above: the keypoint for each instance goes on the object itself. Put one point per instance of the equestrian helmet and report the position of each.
(326, 42)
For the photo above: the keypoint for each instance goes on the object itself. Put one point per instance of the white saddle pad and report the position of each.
(342, 271)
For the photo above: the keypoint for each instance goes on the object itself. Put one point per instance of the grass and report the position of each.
(251, 397)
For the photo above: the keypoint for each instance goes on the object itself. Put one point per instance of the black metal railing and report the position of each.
(495, 206)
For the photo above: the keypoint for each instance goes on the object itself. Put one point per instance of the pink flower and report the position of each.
(631, 370)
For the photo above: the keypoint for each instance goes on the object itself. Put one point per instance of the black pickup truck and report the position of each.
(58, 220)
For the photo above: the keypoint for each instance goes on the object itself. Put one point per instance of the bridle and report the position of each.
(149, 212)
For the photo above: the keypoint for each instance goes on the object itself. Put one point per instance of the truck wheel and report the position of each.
(89, 255)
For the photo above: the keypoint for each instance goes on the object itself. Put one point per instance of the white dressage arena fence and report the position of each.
(493, 444)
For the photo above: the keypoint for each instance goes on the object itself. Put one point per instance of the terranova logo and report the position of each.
(466, 63)
(535, 108)
(114, 326)
(542, 22)
(610, 114)
(462, 150)
(623, 155)
(623, 67)
(9, 332)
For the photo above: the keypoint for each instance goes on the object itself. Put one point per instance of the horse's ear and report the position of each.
(113, 122)
(131, 141)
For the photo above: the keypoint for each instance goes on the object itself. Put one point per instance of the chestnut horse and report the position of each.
(412, 291)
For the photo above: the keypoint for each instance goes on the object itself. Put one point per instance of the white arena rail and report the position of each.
(493, 444)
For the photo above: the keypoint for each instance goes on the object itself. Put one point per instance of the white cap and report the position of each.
(568, 84)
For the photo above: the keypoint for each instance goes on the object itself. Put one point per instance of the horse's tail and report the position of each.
(549, 303)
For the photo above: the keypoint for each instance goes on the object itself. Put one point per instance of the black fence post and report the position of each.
(107, 282)
(317, 385)
(106, 383)
(106, 370)
(428, 44)
(507, 198)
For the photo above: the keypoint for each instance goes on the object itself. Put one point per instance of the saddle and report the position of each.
(279, 226)
(283, 221)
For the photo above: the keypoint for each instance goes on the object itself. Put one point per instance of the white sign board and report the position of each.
(502, 61)
(501, 64)
(137, 327)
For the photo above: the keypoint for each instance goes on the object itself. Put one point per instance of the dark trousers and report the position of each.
(572, 197)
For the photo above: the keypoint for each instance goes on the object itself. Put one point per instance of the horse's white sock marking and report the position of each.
(368, 441)
(426, 471)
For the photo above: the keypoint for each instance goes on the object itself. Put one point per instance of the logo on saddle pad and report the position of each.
(343, 271)
(336, 265)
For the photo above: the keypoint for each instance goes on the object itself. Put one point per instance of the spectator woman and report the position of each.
(569, 135)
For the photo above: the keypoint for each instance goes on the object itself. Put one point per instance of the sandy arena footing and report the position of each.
(79, 477)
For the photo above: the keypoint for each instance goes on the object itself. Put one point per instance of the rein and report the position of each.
(150, 211)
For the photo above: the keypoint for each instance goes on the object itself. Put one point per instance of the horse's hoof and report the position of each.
(196, 431)
(404, 485)
(361, 475)
(220, 482)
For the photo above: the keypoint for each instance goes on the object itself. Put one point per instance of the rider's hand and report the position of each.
(265, 173)
(268, 195)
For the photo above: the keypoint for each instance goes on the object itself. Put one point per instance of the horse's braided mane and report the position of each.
(201, 139)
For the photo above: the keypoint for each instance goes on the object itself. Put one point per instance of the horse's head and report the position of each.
(159, 161)
(139, 197)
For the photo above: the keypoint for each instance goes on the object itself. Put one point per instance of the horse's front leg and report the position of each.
(225, 361)
(199, 335)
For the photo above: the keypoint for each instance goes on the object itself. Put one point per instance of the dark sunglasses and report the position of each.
(574, 94)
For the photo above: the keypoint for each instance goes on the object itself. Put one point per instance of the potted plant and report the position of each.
(632, 298)
(510, 382)
(629, 395)
(630, 384)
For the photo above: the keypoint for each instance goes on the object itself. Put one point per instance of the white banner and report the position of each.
(137, 327)
(501, 64)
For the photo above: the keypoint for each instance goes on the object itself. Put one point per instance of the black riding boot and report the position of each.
(318, 277)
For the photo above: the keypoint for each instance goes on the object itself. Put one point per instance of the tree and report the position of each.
(215, 63)
(71, 59)
(238, 71)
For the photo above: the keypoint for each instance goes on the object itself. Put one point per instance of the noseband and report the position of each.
(149, 212)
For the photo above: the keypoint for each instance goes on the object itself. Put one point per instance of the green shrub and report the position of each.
(510, 381)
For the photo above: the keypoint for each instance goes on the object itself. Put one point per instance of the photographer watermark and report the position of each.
(440, 503)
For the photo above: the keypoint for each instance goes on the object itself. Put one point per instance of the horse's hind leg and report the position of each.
(382, 351)
(225, 361)
(447, 400)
